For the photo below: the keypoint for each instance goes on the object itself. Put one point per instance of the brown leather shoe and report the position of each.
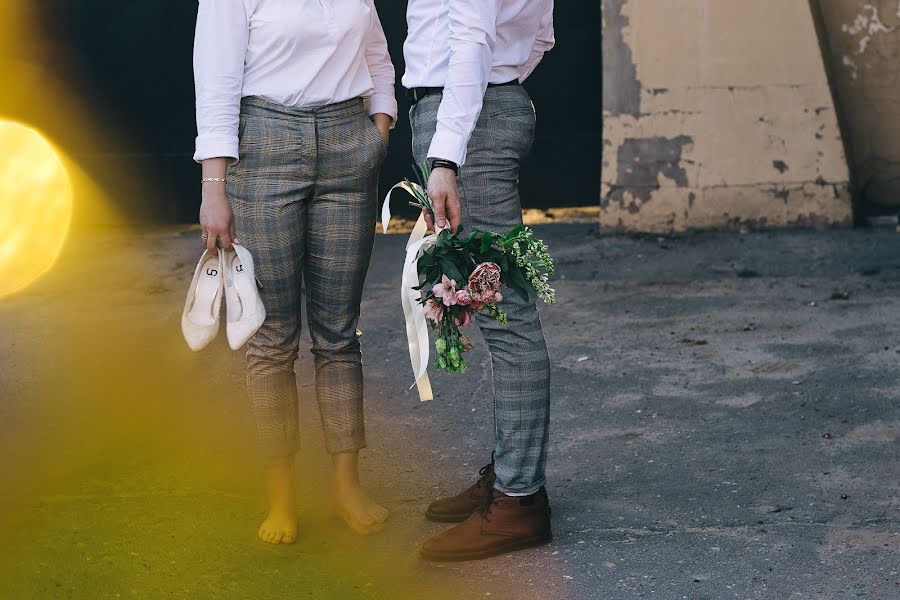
(458, 508)
(503, 524)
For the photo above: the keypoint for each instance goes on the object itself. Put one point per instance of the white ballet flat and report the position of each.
(243, 306)
(200, 318)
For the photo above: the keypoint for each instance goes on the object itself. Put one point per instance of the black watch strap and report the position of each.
(444, 164)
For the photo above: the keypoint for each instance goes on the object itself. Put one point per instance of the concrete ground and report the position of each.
(725, 425)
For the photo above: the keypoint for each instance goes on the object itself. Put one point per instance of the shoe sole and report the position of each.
(445, 518)
(525, 544)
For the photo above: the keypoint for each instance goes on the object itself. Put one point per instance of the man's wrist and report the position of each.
(441, 163)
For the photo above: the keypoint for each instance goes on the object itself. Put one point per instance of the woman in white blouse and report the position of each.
(295, 100)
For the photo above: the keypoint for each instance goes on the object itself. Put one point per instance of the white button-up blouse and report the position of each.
(292, 52)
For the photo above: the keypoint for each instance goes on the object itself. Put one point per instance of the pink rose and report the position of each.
(488, 296)
(446, 291)
(463, 297)
(463, 319)
(434, 311)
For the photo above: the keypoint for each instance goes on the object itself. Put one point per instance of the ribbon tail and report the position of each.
(416, 326)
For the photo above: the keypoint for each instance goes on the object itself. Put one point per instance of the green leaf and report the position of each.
(514, 278)
(514, 232)
(451, 270)
(486, 241)
(495, 256)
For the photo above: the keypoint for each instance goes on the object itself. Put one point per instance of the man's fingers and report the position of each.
(429, 220)
(454, 213)
(440, 216)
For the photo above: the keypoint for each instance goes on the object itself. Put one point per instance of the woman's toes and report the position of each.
(288, 537)
(367, 528)
(381, 514)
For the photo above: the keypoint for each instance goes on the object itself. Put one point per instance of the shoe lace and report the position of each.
(486, 504)
(485, 474)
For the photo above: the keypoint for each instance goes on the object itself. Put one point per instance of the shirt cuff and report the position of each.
(382, 103)
(449, 146)
(216, 146)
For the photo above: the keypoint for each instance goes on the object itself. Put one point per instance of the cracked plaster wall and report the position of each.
(718, 114)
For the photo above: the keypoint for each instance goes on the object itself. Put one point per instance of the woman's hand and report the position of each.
(383, 123)
(216, 217)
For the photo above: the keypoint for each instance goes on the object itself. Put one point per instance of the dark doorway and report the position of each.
(129, 64)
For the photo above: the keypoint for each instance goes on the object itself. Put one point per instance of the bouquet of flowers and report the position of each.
(460, 276)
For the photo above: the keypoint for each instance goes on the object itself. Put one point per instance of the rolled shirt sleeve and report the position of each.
(220, 47)
(381, 70)
(473, 35)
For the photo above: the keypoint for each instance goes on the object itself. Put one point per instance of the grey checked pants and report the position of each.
(304, 199)
(489, 191)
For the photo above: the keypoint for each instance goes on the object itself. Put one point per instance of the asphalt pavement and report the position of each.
(726, 424)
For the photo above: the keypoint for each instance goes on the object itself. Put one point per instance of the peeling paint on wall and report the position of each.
(709, 127)
(619, 73)
(865, 25)
(643, 161)
(862, 42)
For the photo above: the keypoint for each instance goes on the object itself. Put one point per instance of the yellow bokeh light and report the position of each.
(35, 206)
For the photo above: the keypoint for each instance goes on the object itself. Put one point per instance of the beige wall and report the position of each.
(863, 48)
(718, 114)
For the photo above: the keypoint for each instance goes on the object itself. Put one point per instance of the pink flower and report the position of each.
(486, 276)
(434, 311)
(463, 319)
(487, 297)
(446, 291)
(463, 297)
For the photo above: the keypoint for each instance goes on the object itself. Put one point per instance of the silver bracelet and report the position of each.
(207, 179)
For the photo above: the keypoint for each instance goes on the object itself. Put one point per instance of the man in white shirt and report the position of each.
(472, 120)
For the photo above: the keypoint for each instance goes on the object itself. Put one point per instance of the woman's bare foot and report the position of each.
(353, 505)
(280, 526)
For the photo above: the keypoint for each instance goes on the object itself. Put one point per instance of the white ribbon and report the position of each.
(416, 327)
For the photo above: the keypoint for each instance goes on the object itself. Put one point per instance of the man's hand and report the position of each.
(383, 123)
(445, 196)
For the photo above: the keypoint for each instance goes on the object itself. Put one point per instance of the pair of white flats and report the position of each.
(229, 273)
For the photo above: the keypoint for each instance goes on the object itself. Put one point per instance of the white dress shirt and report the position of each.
(462, 45)
(292, 52)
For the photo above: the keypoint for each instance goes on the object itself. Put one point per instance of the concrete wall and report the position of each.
(862, 45)
(718, 114)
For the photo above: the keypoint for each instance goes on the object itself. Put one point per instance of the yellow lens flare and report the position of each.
(35, 206)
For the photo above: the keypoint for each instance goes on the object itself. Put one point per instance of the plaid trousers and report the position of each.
(489, 193)
(304, 199)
